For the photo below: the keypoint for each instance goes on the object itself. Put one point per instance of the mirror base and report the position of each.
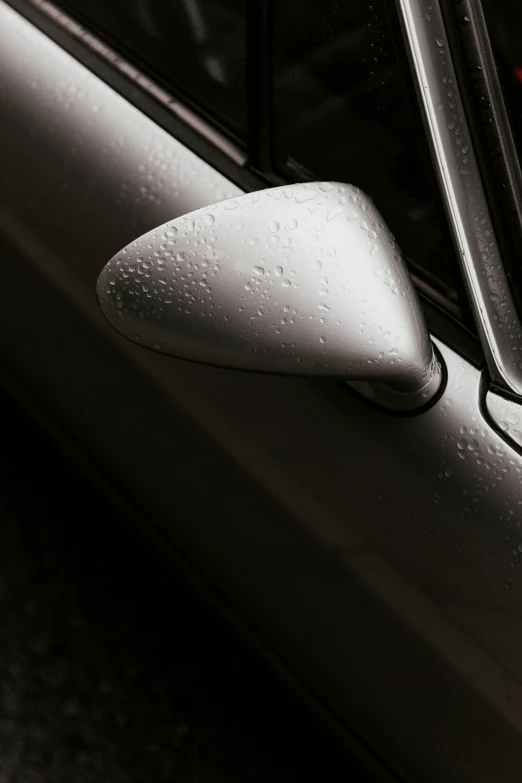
(403, 402)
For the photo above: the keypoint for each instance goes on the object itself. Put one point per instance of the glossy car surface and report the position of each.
(377, 557)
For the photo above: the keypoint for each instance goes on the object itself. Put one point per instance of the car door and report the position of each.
(374, 558)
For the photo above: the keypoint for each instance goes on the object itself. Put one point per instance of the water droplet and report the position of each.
(286, 283)
(292, 223)
(259, 270)
(209, 219)
(333, 214)
(278, 270)
(274, 226)
(304, 195)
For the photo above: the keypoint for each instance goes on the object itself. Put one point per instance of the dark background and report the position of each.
(111, 669)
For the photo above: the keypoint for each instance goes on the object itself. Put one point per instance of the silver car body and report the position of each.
(376, 558)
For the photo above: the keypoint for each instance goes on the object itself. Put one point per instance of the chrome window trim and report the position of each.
(495, 313)
(490, 84)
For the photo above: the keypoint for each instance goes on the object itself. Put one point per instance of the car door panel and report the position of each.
(375, 555)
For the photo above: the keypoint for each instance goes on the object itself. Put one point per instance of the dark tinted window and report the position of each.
(197, 47)
(504, 20)
(345, 109)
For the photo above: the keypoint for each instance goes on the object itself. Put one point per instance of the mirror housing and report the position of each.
(301, 279)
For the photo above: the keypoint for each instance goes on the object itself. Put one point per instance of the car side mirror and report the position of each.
(302, 279)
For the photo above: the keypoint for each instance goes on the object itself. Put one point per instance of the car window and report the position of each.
(196, 47)
(504, 20)
(341, 102)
